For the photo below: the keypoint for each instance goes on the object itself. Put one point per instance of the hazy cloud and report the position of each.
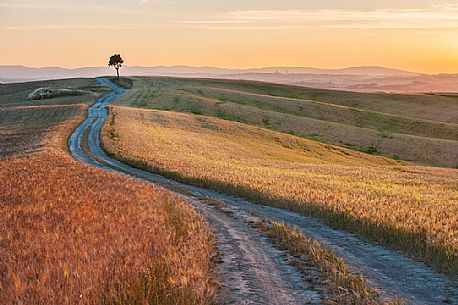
(78, 27)
(439, 16)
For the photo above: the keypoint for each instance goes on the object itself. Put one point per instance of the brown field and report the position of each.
(419, 128)
(412, 208)
(24, 124)
(73, 234)
(23, 129)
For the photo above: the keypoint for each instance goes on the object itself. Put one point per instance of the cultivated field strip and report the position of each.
(389, 123)
(392, 272)
(430, 107)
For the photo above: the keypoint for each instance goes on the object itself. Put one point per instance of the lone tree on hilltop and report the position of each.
(116, 61)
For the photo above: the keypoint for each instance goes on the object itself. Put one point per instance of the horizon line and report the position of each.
(233, 68)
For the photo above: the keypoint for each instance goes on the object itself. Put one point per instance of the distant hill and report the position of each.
(367, 79)
(27, 73)
(21, 72)
(365, 70)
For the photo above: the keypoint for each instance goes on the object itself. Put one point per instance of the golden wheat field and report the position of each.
(73, 234)
(413, 208)
(77, 235)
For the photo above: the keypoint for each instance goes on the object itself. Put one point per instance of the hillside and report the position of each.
(407, 207)
(418, 128)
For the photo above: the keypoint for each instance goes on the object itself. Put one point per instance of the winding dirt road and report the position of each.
(253, 271)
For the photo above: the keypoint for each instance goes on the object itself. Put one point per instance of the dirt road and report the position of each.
(252, 270)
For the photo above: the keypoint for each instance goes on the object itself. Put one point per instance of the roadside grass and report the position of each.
(74, 234)
(341, 285)
(411, 208)
(402, 126)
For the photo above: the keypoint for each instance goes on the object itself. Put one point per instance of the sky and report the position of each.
(416, 35)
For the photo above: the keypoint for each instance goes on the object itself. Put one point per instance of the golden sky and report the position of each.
(417, 35)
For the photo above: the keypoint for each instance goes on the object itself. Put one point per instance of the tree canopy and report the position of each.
(116, 61)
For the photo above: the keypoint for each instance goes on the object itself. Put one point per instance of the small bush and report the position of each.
(372, 150)
(196, 111)
(47, 93)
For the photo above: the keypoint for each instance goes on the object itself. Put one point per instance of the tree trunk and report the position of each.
(117, 72)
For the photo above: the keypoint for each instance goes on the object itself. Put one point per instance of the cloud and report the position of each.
(125, 7)
(439, 16)
(442, 16)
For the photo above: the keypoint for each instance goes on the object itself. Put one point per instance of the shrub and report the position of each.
(46, 93)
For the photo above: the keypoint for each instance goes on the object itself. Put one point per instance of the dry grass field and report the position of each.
(73, 234)
(412, 208)
(419, 128)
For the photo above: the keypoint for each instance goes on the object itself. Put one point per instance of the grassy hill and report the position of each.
(419, 128)
(408, 207)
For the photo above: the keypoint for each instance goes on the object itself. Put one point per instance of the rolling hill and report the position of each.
(420, 128)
